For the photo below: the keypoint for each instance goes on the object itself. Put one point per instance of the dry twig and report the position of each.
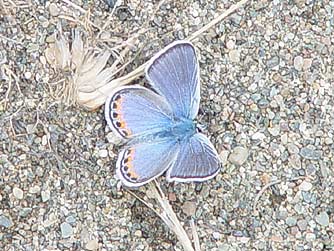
(195, 235)
(258, 196)
(169, 217)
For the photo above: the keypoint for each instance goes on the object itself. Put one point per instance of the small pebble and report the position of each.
(216, 235)
(138, 233)
(103, 153)
(322, 219)
(45, 195)
(239, 155)
(224, 156)
(54, 10)
(189, 208)
(66, 230)
(18, 193)
(307, 63)
(310, 237)
(227, 247)
(230, 44)
(274, 61)
(258, 136)
(309, 153)
(25, 211)
(234, 56)
(92, 245)
(298, 63)
(294, 161)
(328, 141)
(291, 221)
(302, 224)
(44, 140)
(34, 189)
(5, 222)
(27, 75)
(70, 219)
(274, 131)
(305, 186)
(292, 148)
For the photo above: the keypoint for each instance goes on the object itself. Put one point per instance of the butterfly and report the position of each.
(158, 125)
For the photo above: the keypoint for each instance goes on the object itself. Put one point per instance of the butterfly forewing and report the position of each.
(174, 74)
(135, 111)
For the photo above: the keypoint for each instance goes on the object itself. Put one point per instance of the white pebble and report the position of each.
(44, 140)
(234, 56)
(307, 63)
(66, 230)
(54, 10)
(298, 63)
(34, 189)
(305, 186)
(103, 153)
(216, 235)
(310, 237)
(258, 136)
(18, 193)
(230, 44)
(239, 155)
(322, 219)
(27, 75)
(274, 131)
(45, 195)
(92, 245)
(138, 233)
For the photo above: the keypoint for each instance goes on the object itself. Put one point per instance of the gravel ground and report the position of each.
(267, 75)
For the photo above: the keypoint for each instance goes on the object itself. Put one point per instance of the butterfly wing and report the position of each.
(135, 110)
(140, 163)
(174, 74)
(197, 160)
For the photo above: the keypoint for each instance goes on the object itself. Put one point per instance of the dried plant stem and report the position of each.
(195, 235)
(215, 21)
(258, 196)
(169, 217)
(75, 6)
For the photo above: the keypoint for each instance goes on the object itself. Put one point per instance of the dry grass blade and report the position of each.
(77, 49)
(169, 216)
(195, 235)
(218, 19)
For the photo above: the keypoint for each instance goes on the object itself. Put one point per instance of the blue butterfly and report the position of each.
(159, 126)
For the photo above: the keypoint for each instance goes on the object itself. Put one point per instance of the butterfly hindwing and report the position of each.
(135, 111)
(140, 163)
(197, 160)
(174, 74)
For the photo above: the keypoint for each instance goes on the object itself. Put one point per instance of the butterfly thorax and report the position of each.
(183, 128)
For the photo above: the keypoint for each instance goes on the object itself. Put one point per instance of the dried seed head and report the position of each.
(90, 80)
